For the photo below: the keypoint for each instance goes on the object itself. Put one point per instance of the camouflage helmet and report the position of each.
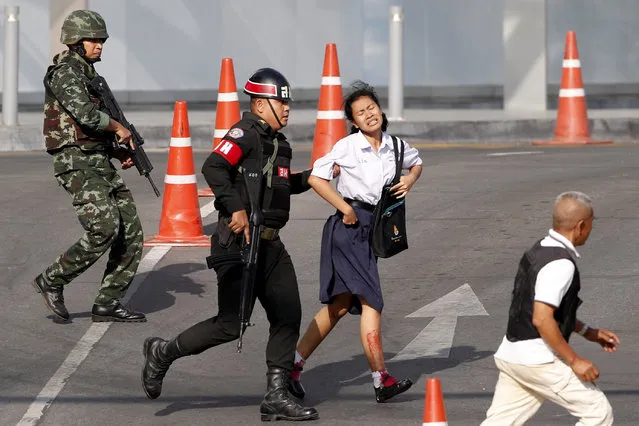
(81, 24)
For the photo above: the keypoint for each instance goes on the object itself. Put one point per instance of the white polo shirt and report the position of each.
(363, 172)
(553, 281)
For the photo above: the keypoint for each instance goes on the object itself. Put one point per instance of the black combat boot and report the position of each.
(278, 403)
(53, 297)
(115, 312)
(158, 356)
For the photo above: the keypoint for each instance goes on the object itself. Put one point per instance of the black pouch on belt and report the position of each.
(225, 235)
(225, 249)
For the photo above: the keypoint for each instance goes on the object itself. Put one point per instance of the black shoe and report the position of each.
(279, 404)
(384, 393)
(158, 356)
(295, 386)
(115, 312)
(53, 298)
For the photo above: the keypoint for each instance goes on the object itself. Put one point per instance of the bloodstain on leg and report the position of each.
(375, 348)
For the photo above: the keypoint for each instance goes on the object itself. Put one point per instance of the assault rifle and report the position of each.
(250, 251)
(100, 87)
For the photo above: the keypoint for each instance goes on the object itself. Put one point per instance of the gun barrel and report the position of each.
(155, 188)
(239, 342)
(253, 179)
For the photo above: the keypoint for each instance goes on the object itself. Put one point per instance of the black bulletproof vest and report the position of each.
(520, 325)
(276, 199)
(276, 191)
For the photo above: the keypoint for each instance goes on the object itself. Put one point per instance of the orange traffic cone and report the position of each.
(227, 111)
(434, 412)
(571, 127)
(181, 222)
(330, 125)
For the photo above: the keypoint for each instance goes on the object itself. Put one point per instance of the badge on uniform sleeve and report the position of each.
(282, 172)
(236, 133)
(230, 151)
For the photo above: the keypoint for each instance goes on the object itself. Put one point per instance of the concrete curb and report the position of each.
(517, 131)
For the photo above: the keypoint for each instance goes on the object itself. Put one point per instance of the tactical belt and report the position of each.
(269, 234)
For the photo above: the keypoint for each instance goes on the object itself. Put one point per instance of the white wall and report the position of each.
(189, 38)
(167, 47)
(607, 38)
(34, 43)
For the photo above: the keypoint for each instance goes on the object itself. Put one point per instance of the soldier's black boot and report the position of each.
(52, 296)
(158, 356)
(115, 312)
(278, 403)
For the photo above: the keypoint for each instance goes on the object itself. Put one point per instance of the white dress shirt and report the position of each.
(553, 281)
(363, 172)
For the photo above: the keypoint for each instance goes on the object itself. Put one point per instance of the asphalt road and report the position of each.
(471, 216)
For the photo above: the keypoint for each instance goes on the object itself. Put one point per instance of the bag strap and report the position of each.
(399, 159)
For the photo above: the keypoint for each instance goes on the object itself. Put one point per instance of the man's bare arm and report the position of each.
(544, 321)
(548, 329)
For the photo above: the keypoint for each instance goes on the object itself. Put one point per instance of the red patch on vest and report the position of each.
(282, 172)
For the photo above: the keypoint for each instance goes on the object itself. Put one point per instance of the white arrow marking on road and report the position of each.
(436, 339)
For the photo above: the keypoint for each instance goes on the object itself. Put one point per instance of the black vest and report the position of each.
(276, 197)
(520, 325)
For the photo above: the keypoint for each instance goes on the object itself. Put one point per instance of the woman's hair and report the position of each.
(361, 89)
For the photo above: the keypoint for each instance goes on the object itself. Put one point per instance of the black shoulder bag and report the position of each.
(389, 218)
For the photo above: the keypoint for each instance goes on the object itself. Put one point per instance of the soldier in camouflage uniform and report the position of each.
(80, 139)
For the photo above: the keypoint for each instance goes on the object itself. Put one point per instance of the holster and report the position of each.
(225, 235)
(225, 248)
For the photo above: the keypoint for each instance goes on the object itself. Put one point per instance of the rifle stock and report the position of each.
(142, 162)
(250, 251)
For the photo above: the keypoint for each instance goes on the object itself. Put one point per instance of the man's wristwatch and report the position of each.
(584, 329)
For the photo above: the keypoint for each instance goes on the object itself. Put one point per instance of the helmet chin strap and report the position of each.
(80, 50)
(274, 113)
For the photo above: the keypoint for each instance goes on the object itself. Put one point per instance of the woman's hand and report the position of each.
(401, 189)
(350, 218)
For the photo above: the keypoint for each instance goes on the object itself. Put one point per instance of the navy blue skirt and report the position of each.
(347, 262)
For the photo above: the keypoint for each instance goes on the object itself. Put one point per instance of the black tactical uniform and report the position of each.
(276, 288)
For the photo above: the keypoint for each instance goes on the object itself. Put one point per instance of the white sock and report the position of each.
(377, 378)
(299, 362)
(382, 378)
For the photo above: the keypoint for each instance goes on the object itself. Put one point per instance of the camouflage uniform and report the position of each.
(75, 135)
